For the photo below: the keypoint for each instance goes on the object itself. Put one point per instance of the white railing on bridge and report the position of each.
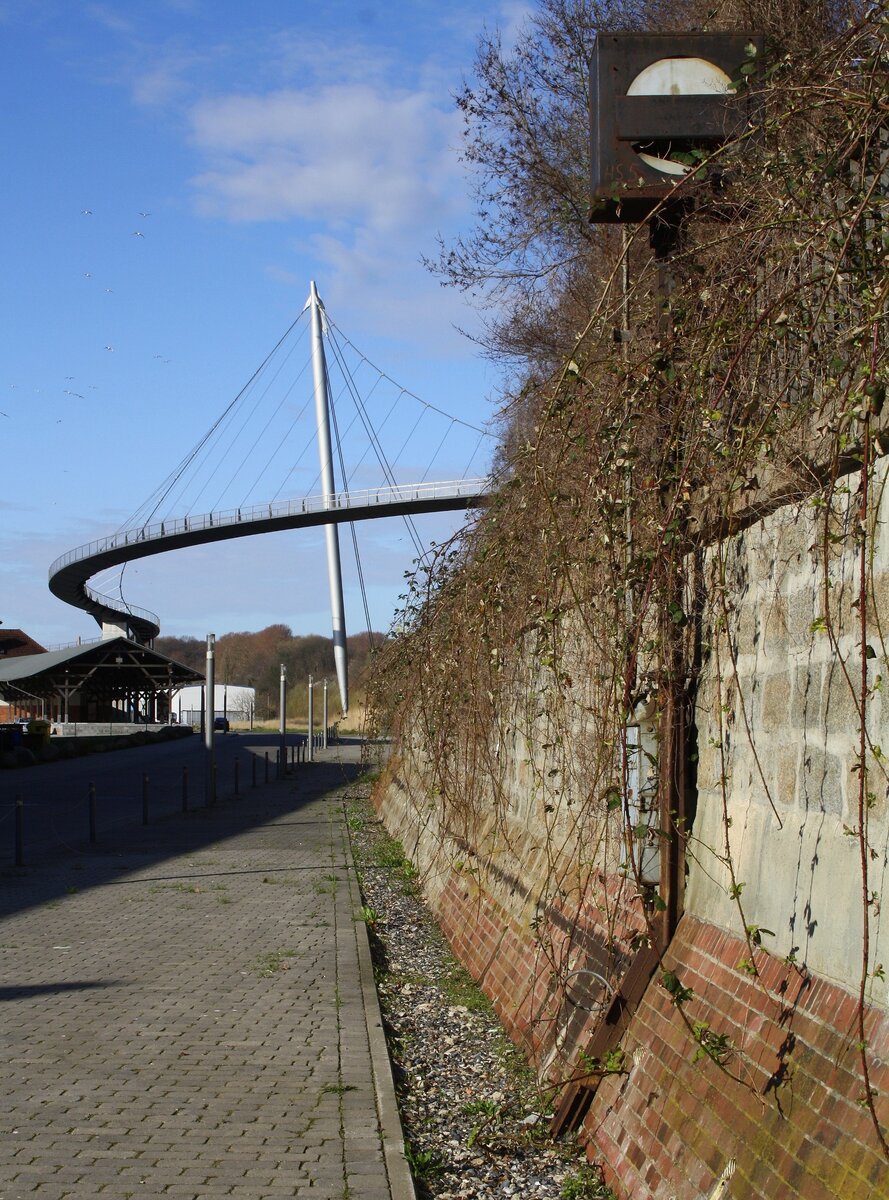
(368, 498)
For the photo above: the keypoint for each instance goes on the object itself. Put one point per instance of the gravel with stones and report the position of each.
(474, 1122)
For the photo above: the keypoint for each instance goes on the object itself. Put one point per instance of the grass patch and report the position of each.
(272, 963)
(586, 1183)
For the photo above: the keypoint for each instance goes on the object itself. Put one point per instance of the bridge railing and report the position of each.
(120, 606)
(367, 498)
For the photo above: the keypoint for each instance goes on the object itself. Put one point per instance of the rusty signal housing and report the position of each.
(623, 126)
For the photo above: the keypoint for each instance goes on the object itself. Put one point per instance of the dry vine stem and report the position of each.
(541, 626)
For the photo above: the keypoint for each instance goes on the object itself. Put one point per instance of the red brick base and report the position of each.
(786, 1106)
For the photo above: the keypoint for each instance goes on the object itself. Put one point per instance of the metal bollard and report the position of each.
(19, 832)
(185, 789)
(213, 784)
(237, 774)
(266, 766)
(253, 770)
(92, 804)
(144, 799)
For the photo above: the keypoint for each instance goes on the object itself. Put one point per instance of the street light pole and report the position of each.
(210, 711)
(311, 747)
(283, 717)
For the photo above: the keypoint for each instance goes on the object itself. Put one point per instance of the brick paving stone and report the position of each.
(185, 1010)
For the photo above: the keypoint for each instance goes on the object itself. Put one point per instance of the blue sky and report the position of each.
(175, 172)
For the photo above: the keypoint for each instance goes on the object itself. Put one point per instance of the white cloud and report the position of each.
(162, 83)
(348, 153)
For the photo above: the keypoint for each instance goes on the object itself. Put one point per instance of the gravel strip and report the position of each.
(475, 1124)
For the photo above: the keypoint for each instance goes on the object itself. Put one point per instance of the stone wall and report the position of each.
(770, 949)
(777, 715)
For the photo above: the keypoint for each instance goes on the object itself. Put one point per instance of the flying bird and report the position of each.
(111, 348)
(136, 233)
(144, 214)
(86, 212)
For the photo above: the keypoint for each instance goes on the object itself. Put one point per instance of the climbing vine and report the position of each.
(605, 577)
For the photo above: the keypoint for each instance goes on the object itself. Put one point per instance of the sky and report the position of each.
(175, 173)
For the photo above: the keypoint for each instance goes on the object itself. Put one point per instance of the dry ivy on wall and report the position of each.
(765, 386)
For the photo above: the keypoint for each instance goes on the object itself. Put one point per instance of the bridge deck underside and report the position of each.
(69, 580)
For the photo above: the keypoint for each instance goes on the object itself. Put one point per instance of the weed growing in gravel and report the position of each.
(459, 988)
(425, 1165)
(586, 1183)
(377, 850)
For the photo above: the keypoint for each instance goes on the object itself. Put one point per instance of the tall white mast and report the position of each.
(334, 569)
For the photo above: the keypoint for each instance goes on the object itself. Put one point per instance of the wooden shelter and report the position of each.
(110, 680)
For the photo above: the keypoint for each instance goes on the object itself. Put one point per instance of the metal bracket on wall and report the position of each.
(577, 1097)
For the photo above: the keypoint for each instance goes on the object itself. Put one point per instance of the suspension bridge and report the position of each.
(267, 416)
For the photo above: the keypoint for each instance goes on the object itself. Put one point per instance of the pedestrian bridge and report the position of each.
(69, 574)
(258, 446)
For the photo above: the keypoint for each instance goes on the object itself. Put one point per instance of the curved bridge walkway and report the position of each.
(68, 575)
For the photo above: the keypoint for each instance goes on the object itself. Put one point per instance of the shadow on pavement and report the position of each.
(53, 873)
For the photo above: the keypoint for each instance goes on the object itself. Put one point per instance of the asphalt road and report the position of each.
(55, 796)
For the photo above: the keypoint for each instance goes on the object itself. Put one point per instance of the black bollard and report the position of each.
(19, 832)
(266, 766)
(92, 803)
(237, 773)
(253, 770)
(144, 798)
(185, 789)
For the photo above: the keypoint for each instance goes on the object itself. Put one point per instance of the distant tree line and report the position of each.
(254, 660)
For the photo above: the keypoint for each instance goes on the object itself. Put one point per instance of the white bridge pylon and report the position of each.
(328, 490)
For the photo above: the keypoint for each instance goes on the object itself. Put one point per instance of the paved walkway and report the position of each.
(189, 1010)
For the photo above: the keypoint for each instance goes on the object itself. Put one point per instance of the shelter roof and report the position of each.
(106, 668)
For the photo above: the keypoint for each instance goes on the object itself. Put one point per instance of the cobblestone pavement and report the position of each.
(190, 1012)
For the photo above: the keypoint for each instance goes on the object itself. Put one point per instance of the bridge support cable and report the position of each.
(375, 441)
(334, 568)
(431, 463)
(149, 508)
(352, 530)
(475, 451)
(146, 511)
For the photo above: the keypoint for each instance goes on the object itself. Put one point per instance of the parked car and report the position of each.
(221, 724)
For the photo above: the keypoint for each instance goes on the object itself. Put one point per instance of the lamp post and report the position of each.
(311, 748)
(209, 722)
(282, 701)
